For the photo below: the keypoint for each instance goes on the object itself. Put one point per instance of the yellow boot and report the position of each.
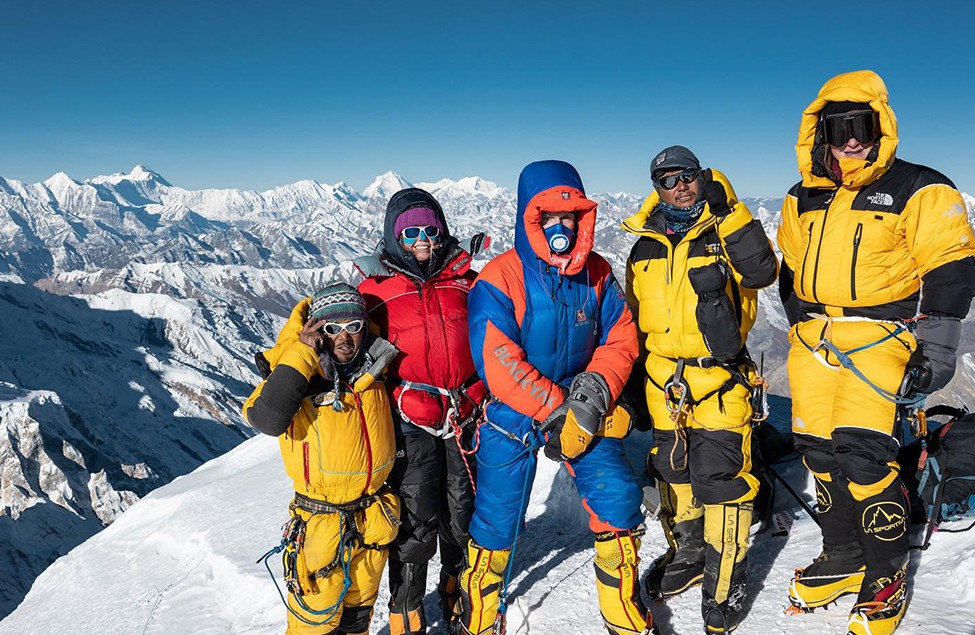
(881, 614)
(480, 585)
(617, 583)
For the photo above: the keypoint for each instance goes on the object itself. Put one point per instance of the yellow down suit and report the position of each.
(861, 240)
(338, 456)
(703, 455)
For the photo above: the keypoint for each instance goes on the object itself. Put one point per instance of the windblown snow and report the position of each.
(131, 310)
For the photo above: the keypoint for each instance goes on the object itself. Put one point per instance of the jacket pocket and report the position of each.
(420, 407)
(716, 316)
(381, 520)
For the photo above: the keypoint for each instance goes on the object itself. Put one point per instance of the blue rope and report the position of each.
(533, 443)
(847, 363)
(329, 612)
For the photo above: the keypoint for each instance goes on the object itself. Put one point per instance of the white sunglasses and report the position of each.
(334, 328)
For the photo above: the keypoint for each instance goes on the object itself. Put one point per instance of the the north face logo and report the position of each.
(881, 198)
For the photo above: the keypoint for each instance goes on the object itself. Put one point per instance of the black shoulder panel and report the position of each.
(891, 192)
(647, 249)
(279, 400)
(949, 288)
(813, 199)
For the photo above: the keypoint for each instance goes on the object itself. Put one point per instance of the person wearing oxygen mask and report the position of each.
(692, 280)
(323, 397)
(554, 341)
(878, 272)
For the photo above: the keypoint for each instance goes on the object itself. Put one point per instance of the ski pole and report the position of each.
(795, 495)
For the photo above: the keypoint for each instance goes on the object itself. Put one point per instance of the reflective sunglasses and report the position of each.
(862, 125)
(334, 328)
(412, 234)
(670, 182)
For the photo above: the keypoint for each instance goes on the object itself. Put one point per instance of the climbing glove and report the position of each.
(932, 364)
(572, 425)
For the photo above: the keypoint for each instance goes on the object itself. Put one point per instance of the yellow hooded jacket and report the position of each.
(861, 245)
(657, 283)
(332, 455)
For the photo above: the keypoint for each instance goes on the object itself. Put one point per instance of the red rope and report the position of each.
(458, 433)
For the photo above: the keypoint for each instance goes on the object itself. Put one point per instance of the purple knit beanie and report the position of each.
(417, 216)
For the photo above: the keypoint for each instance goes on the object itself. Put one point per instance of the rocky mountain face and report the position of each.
(131, 310)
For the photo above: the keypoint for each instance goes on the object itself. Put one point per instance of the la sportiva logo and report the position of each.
(824, 502)
(885, 521)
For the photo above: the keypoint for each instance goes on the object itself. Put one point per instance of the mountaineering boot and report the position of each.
(449, 592)
(839, 569)
(682, 566)
(407, 585)
(884, 520)
(618, 583)
(480, 587)
(723, 589)
(880, 606)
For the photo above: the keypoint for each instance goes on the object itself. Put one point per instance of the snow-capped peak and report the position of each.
(59, 181)
(143, 173)
(139, 173)
(385, 185)
(467, 186)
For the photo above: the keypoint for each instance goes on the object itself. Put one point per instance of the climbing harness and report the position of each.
(454, 425)
(846, 361)
(680, 401)
(293, 539)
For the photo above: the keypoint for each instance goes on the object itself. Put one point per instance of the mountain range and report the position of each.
(131, 310)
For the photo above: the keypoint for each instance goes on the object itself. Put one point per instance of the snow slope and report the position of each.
(182, 560)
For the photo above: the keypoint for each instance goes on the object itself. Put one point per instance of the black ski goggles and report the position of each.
(670, 182)
(862, 125)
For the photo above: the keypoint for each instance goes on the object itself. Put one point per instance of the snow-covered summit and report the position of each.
(467, 186)
(385, 185)
(139, 173)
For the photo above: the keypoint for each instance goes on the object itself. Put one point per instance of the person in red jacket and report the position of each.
(415, 288)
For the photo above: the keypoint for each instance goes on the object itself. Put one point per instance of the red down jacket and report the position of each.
(425, 317)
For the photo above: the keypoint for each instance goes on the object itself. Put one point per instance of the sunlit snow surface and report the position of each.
(182, 560)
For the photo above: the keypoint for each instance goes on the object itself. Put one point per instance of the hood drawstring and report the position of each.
(345, 373)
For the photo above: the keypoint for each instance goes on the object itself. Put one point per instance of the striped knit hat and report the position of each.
(338, 302)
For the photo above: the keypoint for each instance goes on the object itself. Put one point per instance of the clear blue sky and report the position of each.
(257, 94)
